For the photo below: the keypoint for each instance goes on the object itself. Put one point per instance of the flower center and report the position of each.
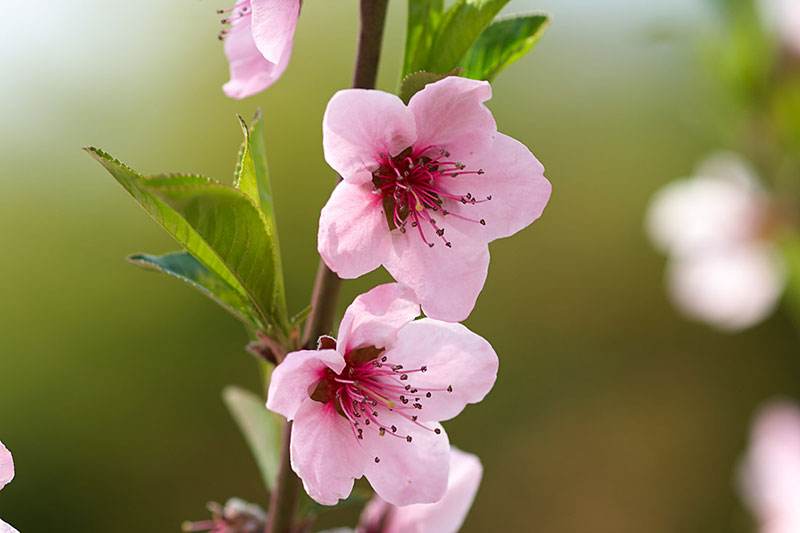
(371, 385)
(412, 187)
(233, 15)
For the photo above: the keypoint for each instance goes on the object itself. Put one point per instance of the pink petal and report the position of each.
(448, 514)
(359, 125)
(250, 71)
(374, 318)
(446, 281)
(783, 17)
(718, 208)
(513, 178)
(6, 466)
(770, 475)
(731, 289)
(7, 528)
(354, 236)
(291, 380)
(324, 452)
(274, 23)
(454, 356)
(450, 114)
(407, 472)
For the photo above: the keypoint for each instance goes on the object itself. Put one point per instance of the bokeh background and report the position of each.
(611, 414)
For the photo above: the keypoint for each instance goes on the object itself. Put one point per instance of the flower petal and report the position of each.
(770, 474)
(291, 380)
(450, 114)
(374, 318)
(360, 125)
(324, 452)
(250, 71)
(354, 237)
(273, 26)
(6, 466)
(407, 472)
(448, 514)
(7, 528)
(446, 281)
(709, 211)
(732, 289)
(513, 178)
(454, 356)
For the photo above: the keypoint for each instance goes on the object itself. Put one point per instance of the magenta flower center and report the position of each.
(371, 385)
(240, 10)
(412, 185)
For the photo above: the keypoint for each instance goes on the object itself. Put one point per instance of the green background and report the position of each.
(611, 414)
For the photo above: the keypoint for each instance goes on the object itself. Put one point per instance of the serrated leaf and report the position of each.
(424, 17)
(460, 27)
(219, 225)
(163, 214)
(185, 267)
(252, 178)
(413, 83)
(233, 227)
(504, 41)
(260, 427)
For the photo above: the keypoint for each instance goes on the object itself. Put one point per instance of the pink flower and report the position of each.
(425, 188)
(237, 516)
(783, 17)
(716, 228)
(370, 403)
(770, 474)
(6, 475)
(444, 516)
(258, 43)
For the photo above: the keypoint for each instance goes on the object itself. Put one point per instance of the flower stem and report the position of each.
(283, 503)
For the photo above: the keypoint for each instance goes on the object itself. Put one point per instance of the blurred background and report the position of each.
(611, 414)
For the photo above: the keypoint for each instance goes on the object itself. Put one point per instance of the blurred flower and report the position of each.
(6, 475)
(425, 188)
(370, 403)
(783, 17)
(717, 229)
(444, 516)
(237, 516)
(258, 43)
(770, 474)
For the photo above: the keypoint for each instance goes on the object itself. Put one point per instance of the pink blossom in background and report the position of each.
(770, 473)
(445, 516)
(258, 43)
(237, 516)
(425, 188)
(6, 475)
(783, 17)
(715, 227)
(371, 405)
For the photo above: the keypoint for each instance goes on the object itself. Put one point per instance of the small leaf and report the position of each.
(186, 268)
(423, 19)
(232, 226)
(502, 43)
(260, 427)
(413, 83)
(164, 215)
(301, 315)
(458, 31)
(252, 178)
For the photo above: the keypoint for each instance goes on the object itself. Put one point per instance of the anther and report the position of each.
(437, 431)
(377, 459)
(408, 438)
(449, 388)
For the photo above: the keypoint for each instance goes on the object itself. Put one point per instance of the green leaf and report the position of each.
(219, 225)
(164, 215)
(186, 268)
(301, 315)
(252, 178)
(423, 19)
(413, 83)
(502, 43)
(232, 226)
(260, 427)
(458, 31)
